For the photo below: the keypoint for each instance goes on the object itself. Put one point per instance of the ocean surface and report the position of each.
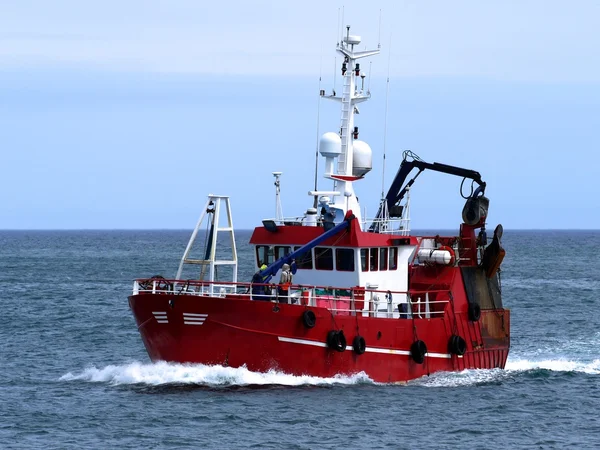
(74, 372)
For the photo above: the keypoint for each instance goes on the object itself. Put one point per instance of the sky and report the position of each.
(128, 114)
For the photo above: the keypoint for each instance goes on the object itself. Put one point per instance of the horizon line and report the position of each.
(251, 229)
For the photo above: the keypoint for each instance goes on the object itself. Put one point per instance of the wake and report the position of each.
(162, 373)
(515, 369)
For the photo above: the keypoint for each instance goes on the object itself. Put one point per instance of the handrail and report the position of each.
(354, 300)
(201, 283)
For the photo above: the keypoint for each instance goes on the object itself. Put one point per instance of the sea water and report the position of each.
(74, 372)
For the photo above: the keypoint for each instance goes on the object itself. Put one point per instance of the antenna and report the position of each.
(334, 74)
(379, 37)
(369, 86)
(342, 27)
(278, 211)
(318, 123)
(387, 97)
(338, 27)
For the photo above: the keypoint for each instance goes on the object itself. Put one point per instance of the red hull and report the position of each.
(264, 336)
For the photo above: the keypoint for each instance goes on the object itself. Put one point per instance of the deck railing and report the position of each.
(385, 226)
(342, 301)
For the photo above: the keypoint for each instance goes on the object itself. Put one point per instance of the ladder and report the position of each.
(345, 131)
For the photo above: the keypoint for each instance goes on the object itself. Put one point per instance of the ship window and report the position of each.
(373, 259)
(264, 254)
(304, 261)
(393, 258)
(364, 257)
(323, 258)
(281, 251)
(383, 259)
(344, 259)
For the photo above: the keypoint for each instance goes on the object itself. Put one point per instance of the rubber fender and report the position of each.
(418, 349)
(336, 340)
(359, 345)
(474, 312)
(309, 319)
(457, 345)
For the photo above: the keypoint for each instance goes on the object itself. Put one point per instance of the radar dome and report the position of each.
(362, 158)
(330, 145)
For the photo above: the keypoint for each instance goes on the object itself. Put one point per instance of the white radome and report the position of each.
(330, 145)
(362, 158)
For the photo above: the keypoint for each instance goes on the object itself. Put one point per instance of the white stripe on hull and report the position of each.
(389, 351)
(160, 316)
(194, 319)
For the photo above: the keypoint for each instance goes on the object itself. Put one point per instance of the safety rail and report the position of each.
(388, 226)
(343, 301)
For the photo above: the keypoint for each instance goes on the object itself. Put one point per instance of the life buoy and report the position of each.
(309, 319)
(474, 312)
(457, 345)
(418, 349)
(336, 340)
(359, 345)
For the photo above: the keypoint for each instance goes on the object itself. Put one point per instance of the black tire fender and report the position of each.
(309, 319)
(336, 340)
(418, 349)
(457, 345)
(359, 345)
(474, 312)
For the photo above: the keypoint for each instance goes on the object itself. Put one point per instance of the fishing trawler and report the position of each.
(334, 292)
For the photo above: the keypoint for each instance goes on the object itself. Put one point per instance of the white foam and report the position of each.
(464, 378)
(555, 365)
(513, 367)
(161, 373)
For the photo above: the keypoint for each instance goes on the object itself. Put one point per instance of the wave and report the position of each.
(162, 373)
(513, 371)
(554, 365)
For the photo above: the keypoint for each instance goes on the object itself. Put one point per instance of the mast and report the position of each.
(350, 98)
(348, 170)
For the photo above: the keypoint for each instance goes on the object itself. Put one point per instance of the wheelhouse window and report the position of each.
(373, 259)
(281, 251)
(264, 255)
(304, 261)
(344, 259)
(393, 258)
(383, 259)
(364, 259)
(323, 258)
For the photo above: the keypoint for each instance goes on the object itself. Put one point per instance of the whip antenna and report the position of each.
(379, 37)
(318, 124)
(387, 98)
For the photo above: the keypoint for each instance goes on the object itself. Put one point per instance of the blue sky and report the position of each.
(127, 115)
